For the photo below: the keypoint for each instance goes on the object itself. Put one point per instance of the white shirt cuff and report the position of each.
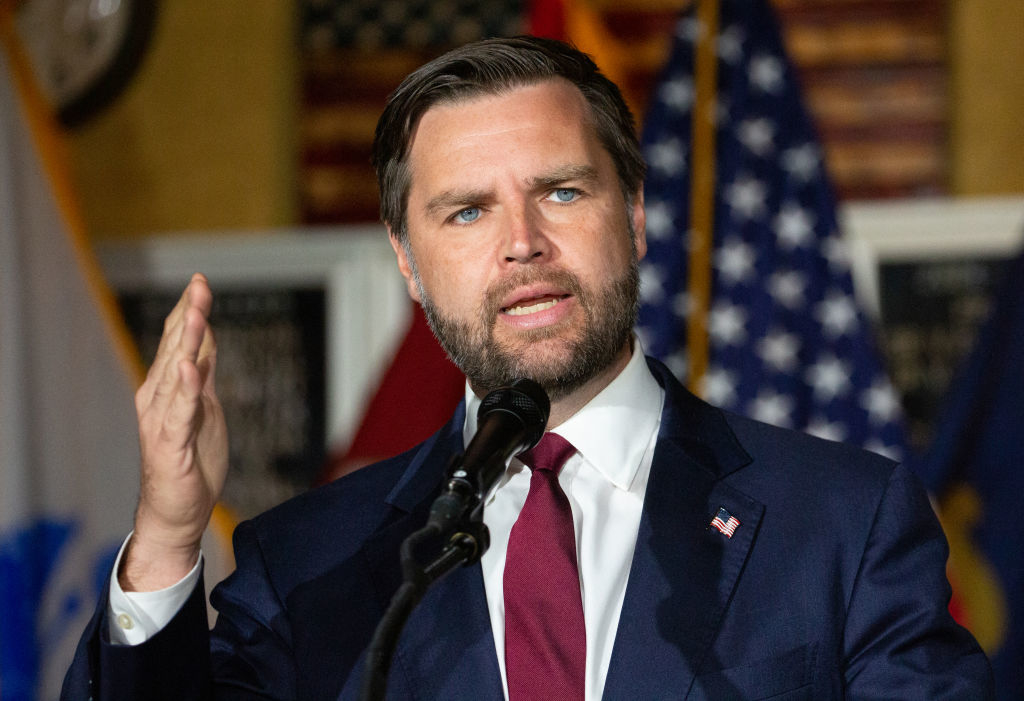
(135, 617)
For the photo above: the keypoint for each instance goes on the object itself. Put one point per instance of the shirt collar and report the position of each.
(612, 431)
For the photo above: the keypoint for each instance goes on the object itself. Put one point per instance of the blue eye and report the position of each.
(565, 194)
(467, 215)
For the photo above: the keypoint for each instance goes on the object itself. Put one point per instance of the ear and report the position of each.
(404, 265)
(636, 211)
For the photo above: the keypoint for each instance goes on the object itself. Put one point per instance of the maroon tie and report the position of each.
(545, 637)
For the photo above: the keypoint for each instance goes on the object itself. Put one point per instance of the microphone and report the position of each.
(510, 420)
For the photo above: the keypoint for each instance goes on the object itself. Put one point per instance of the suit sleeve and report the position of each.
(173, 664)
(251, 648)
(247, 656)
(900, 641)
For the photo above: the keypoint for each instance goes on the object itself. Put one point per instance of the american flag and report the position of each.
(725, 523)
(413, 24)
(787, 342)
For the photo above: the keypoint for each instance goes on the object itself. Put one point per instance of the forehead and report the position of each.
(547, 92)
(551, 115)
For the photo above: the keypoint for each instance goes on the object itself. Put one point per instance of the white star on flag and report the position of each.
(888, 451)
(659, 220)
(727, 324)
(836, 253)
(837, 314)
(735, 261)
(746, 197)
(766, 73)
(778, 350)
(880, 401)
(830, 378)
(758, 135)
(677, 93)
(794, 226)
(822, 428)
(801, 162)
(719, 387)
(667, 156)
(772, 408)
(787, 288)
(730, 45)
(651, 286)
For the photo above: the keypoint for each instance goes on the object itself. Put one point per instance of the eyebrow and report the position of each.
(452, 199)
(564, 174)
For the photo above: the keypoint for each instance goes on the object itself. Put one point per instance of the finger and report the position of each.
(193, 332)
(173, 323)
(168, 376)
(179, 421)
(199, 294)
(196, 295)
(161, 375)
(207, 360)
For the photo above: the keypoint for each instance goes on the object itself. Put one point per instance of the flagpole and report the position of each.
(52, 150)
(702, 192)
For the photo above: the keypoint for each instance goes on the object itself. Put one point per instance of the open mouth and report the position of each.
(533, 305)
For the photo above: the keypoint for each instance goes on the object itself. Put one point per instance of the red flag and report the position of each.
(415, 397)
(547, 19)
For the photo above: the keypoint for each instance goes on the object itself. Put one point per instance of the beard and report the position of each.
(609, 314)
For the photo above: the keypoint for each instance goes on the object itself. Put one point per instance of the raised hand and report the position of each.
(184, 445)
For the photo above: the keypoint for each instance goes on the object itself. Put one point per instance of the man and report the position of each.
(718, 558)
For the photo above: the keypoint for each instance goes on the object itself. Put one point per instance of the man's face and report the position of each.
(521, 247)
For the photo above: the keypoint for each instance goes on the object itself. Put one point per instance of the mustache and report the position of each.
(559, 277)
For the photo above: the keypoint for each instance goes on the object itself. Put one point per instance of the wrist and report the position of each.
(150, 564)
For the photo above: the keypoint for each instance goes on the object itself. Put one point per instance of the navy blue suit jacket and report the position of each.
(833, 586)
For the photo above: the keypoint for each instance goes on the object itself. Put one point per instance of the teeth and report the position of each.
(539, 307)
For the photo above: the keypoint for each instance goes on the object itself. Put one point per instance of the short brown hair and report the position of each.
(493, 66)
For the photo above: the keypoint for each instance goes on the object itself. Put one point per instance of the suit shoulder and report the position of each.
(800, 456)
(357, 496)
(303, 537)
(769, 447)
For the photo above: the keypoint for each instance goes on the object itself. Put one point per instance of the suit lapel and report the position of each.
(446, 649)
(683, 571)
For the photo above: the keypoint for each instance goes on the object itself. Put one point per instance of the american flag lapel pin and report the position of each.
(725, 523)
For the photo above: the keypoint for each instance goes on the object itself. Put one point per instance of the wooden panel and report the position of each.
(344, 91)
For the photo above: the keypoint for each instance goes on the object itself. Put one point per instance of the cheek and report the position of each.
(453, 282)
(606, 257)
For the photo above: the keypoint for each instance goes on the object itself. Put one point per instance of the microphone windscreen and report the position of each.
(524, 399)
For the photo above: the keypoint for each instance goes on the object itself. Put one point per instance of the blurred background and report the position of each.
(234, 137)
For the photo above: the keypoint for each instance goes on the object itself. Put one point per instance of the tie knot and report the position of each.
(550, 454)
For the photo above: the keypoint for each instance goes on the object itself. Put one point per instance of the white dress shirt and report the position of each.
(605, 481)
(133, 617)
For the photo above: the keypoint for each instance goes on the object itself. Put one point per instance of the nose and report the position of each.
(525, 240)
